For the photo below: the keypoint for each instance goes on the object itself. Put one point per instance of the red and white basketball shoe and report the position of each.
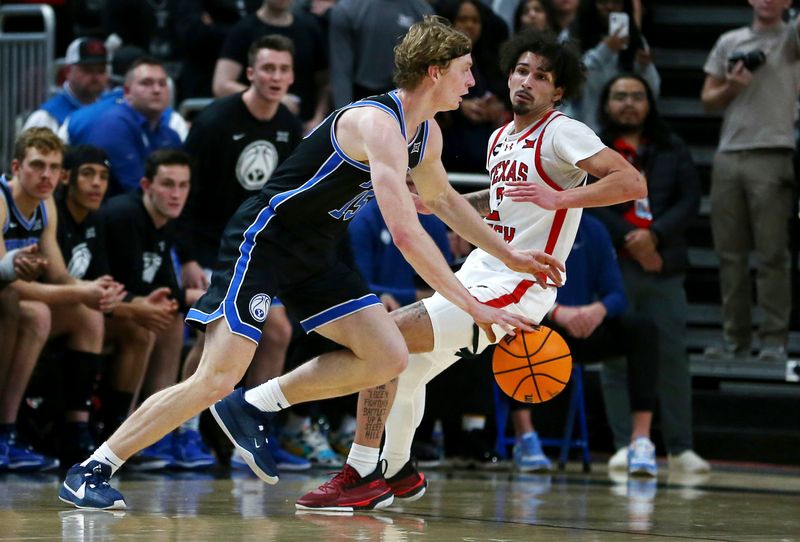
(408, 484)
(348, 492)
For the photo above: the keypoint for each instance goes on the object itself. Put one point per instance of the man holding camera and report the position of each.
(752, 75)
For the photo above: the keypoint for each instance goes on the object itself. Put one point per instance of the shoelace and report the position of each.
(95, 477)
(344, 477)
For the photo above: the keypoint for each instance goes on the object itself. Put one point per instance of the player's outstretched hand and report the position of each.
(485, 316)
(544, 267)
(536, 193)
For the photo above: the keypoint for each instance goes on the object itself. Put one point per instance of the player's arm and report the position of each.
(374, 135)
(479, 201)
(439, 196)
(618, 181)
(60, 287)
(226, 78)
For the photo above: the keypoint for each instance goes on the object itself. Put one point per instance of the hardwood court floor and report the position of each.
(736, 504)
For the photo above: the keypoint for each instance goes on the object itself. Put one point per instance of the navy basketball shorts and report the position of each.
(259, 260)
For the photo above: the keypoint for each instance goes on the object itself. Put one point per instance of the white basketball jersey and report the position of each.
(545, 152)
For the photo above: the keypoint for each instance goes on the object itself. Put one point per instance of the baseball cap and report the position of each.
(86, 51)
(85, 154)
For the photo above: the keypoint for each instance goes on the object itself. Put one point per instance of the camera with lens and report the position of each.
(751, 59)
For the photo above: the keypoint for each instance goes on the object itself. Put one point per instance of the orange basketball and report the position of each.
(532, 367)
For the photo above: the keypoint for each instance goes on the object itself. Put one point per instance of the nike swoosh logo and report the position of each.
(81, 493)
(237, 137)
(255, 441)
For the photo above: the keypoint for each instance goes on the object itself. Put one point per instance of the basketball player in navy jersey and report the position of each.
(283, 242)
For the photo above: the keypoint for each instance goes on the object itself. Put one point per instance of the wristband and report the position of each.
(7, 272)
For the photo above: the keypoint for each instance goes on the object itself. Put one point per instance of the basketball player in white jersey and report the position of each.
(538, 165)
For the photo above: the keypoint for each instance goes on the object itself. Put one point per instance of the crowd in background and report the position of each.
(127, 204)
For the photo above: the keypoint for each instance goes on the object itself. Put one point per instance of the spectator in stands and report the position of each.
(140, 243)
(148, 25)
(308, 94)
(60, 305)
(650, 236)
(607, 55)
(75, 127)
(361, 42)
(566, 13)
(237, 142)
(132, 129)
(537, 15)
(86, 79)
(200, 31)
(590, 314)
(752, 75)
(466, 130)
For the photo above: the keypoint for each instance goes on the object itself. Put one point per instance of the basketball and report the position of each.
(532, 367)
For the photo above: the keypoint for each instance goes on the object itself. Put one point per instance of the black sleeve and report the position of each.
(167, 275)
(99, 265)
(124, 250)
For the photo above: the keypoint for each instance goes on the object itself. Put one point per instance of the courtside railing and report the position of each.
(26, 70)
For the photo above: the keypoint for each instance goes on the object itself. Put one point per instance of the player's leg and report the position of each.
(32, 332)
(224, 361)
(133, 345)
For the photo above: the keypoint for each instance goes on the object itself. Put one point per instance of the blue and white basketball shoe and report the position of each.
(88, 487)
(642, 458)
(246, 427)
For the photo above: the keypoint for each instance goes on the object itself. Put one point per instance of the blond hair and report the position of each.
(430, 42)
(41, 139)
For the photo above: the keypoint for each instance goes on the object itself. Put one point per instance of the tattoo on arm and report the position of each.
(480, 201)
(375, 408)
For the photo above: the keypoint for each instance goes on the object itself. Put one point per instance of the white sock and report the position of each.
(104, 455)
(267, 397)
(363, 458)
(192, 424)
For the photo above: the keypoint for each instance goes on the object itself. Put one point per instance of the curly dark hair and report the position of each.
(563, 61)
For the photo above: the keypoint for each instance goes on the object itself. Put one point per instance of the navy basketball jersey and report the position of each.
(19, 232)
(319, 186)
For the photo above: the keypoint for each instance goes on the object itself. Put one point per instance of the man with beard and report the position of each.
(650, 236)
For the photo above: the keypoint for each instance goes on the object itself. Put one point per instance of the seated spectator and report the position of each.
(200, 31)
(140, 244)
(308, 94)
(132, 129)
(361, 41)
(74, 128)
(59, 306)
(607, 55)
(650, 235)
(590, 314)
(86, 79)
(566, 13)
(466, 130)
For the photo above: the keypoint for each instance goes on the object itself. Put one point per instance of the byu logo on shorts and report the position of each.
(259, 307)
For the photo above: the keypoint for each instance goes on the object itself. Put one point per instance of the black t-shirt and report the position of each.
(310, 54)
(82, 244)
(139, 255)
(235, 154)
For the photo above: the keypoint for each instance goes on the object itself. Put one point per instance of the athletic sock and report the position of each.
(394, 462)
(363, 458)
(104, 455)
(267, 397)
(192, 424)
